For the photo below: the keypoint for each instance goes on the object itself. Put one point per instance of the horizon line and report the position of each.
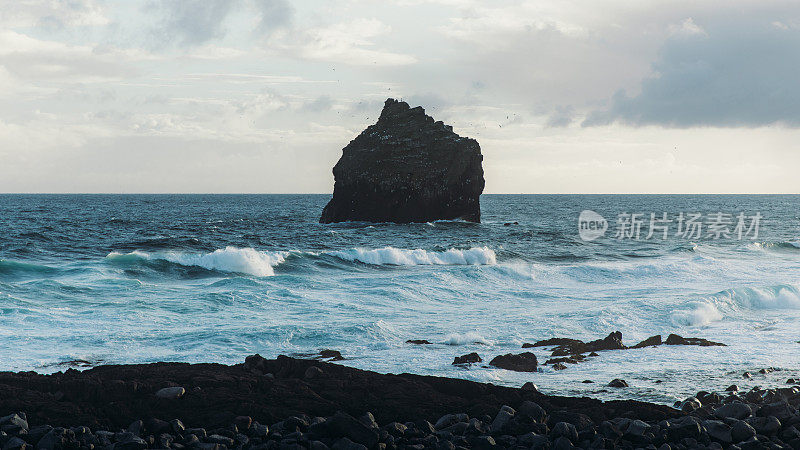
(331, 194)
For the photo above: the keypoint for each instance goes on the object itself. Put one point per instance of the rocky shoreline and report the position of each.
(309, 403)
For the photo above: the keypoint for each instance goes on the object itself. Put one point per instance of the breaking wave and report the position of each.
(262, 263)
(230, 259)
(712, 309)
(402, 257)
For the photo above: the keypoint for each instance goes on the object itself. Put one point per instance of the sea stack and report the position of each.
(407, 168)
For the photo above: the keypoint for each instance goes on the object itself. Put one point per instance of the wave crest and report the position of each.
(230, 259)
(700, 313)
(782, 296)
(403, 257)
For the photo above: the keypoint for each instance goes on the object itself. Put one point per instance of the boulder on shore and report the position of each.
(407, 168)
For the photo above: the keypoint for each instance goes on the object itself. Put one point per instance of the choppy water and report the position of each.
(142, 278)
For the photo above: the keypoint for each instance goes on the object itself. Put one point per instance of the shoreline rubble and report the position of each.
(305, 403)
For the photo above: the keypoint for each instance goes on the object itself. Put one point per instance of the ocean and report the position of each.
(111, 279)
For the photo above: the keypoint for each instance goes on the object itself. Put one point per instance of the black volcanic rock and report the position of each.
(407, 168)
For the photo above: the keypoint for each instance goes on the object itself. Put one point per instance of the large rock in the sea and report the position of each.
(407, 168)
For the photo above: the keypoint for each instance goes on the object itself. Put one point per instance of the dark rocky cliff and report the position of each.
(407, 168)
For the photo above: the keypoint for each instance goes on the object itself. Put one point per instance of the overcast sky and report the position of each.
(591, 96)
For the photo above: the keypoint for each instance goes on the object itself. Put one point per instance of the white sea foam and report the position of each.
(229, 259)
(698, 314)
(404, 257)
(466, 338)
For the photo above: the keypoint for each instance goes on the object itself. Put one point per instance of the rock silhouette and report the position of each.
(407, 168)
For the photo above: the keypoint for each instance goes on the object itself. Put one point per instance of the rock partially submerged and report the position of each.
(469, 358)
(523, 362)
(322, 355)
(674, 339)
(571, 351)
(407, 168)
(611, 342)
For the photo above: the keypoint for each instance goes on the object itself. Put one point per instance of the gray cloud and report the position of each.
(563, 116)
(191, 22)
(729, 73)
(274, 14)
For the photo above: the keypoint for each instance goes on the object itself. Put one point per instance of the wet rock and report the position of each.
(259, 430)
(765, 425)
(342, 424)
(708, 398)
(566, 430)
(346, 444)
(733, 410)
(754, 443)
(533, 411)
(747, 375)
(741, 431)
(317, 445)
(732, 388)
(129, 441)
(397, 429)
(483, 442)
(330, 355)
(559, 366)
(199, 432)
(528, 386)
(637, 428)
(171, 393)
(618, 383)
(418, 342)
(52, 440)
(469, 358)
(674, 339)
(690, 404)
(718, 431)
(177, 426)
(523, 362)
(649, 342)
(562, 443)
(449, 420)
(36, 433)
(221, 440)
(587, 382)
(571, 359)
(684, 428)
(476, 427)
(781, 410)
(407, 168)
(14, 423)
(16, 443)
(556, 342)
(611, 342)
(502, 419)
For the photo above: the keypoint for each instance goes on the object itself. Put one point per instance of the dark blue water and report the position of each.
(140, 278)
